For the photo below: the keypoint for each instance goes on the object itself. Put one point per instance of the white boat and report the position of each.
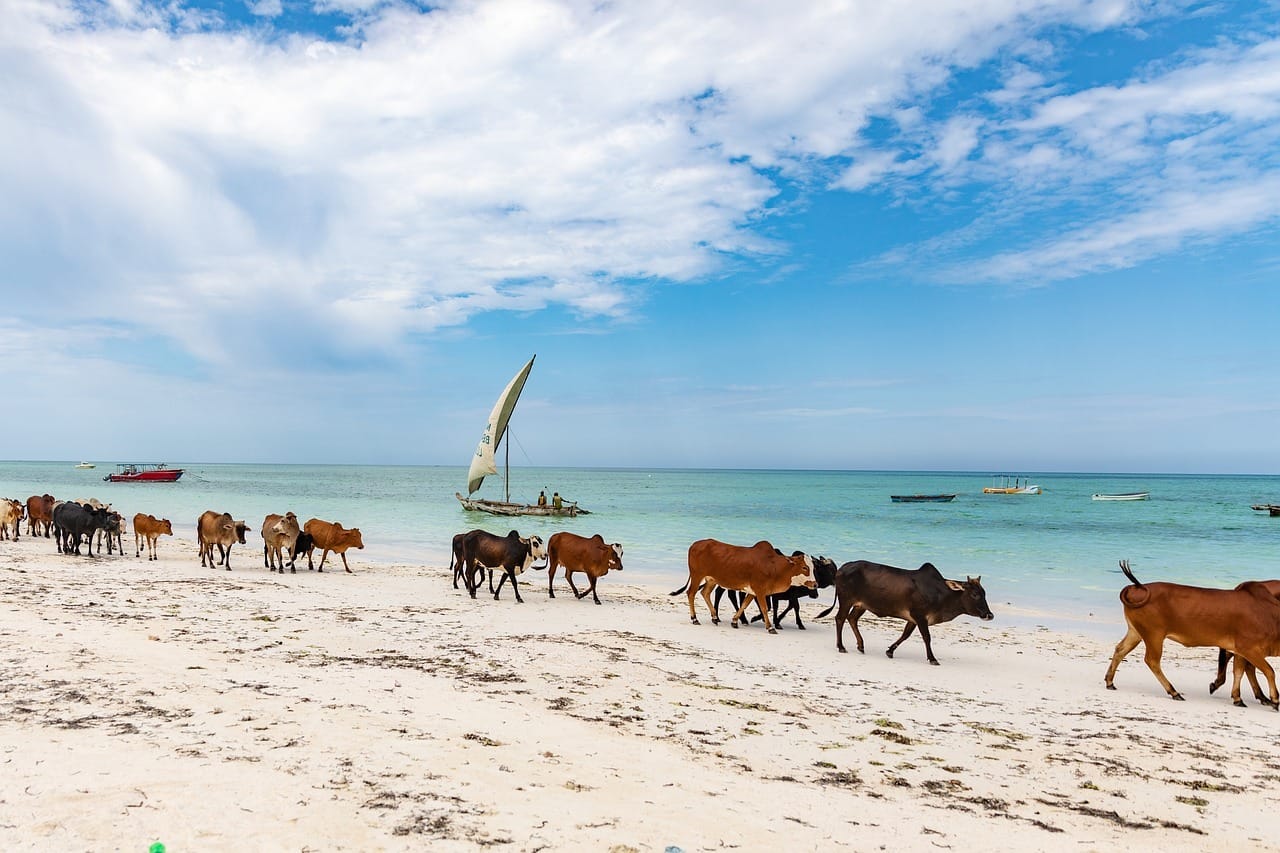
(1126, 496)
(86, 465)
(1006, 485)
(483, 463)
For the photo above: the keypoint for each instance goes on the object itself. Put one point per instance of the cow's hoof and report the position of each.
(1176, 696)
(888, 653)
(842, 650)
(801, 627)
(1213, 685)
(1111, 687)
(734, 624)
(1239, 703)
(291, 571)
(694, 621)
(773, 630)
(934, 663)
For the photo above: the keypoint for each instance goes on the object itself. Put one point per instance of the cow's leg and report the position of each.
(764, 614)
(324, 553)
(922, 622)
(746, 600)
(343, 555)
(226, 557)
(1256, 657)
(594, 597)
(854, 615)
(469, 578)
(515, 587)
(706, 596)
(551, 577)
(1127, 644)
(1155, 647)
(1224, 657)
(693, 591)
(906, 632)
(568, 575)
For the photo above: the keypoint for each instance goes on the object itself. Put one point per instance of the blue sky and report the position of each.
(1024, 235)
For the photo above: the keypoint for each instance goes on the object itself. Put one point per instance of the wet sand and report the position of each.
(210, 710)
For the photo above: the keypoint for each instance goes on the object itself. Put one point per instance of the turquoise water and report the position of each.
(1058, 550)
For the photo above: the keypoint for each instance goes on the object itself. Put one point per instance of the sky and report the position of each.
(1017, 235)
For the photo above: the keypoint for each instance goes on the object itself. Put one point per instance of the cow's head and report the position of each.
(166, 527)
(354, 537)
(241, 529)
(973, 598)
(537, 551)
(615, 556)
(802, 571)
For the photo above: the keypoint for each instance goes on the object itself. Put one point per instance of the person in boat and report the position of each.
(542, 498)
(557, 501)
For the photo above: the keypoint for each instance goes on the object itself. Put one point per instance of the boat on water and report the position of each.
(1125, 496)
(86, 465)
(917, 499)
(1271, 509)
(1005, 485)
(142, 472)
(484, 463)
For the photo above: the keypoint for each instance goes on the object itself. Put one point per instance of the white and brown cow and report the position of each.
(511, 553)
(220, 529)
(279, 537)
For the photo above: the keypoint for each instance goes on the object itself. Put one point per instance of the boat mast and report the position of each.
(506, 472)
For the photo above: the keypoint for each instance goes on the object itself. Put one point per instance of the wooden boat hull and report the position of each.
(1130, 496)
(1002, 490)
(914, 499)
(1271, 509)
(569, 510)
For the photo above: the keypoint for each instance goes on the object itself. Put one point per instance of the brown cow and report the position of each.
(218, 528)
(148, 528)
(1244, 620)
(279, 536)
(760, 571)
(11, 515)
(1225, 656)
(593, 557)
(40, 515)
(332, 536)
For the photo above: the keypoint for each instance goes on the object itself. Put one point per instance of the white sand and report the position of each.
(215, 710)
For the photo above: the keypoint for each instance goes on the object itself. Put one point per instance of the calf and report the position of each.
(220, 529)
(332, 536)
(150, 529)
(824, 575)
(304, 544)
(921, 596)
(511, 553)
(593, 557)
(279, 535)
(1244, 620)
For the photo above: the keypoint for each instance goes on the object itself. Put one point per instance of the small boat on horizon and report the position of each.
(1271, 509)
(1003, 484)
(86, 465)
(1126, 496)
(483, 463)
(142, 472)
(915, 499)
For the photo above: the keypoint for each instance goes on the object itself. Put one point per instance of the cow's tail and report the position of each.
(834, 601)
(681, 589)
(1135, 595)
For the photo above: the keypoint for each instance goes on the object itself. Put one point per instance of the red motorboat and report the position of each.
(144, 473)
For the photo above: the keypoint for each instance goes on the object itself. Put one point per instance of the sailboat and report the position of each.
(483, 463)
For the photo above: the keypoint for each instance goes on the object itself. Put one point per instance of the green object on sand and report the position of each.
(157, 847)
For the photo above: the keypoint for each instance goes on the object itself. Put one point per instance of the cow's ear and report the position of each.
(978, 579)
(956, 585)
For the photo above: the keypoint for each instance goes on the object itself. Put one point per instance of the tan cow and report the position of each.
(150, 529)
(593, 557)
(40, 515)
(218, 528)
(279, 536)
(760, 571)
(11, 515)
(332, 536)
(1244, 620)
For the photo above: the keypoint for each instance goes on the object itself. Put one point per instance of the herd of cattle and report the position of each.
(1242, 623)
(73, 523)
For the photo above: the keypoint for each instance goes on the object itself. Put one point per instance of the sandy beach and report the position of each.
(383, 710)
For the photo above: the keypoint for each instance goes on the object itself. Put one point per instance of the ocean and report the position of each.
(1055, 551)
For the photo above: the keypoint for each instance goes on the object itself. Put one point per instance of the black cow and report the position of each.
(458, 559)
(304, 544)
(921, 596)
(824, 573)
(73, 521)
(512, 553)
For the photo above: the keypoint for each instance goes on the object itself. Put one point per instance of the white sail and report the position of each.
(483, 463)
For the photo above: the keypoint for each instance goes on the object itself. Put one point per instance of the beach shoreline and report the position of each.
(206, 709)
